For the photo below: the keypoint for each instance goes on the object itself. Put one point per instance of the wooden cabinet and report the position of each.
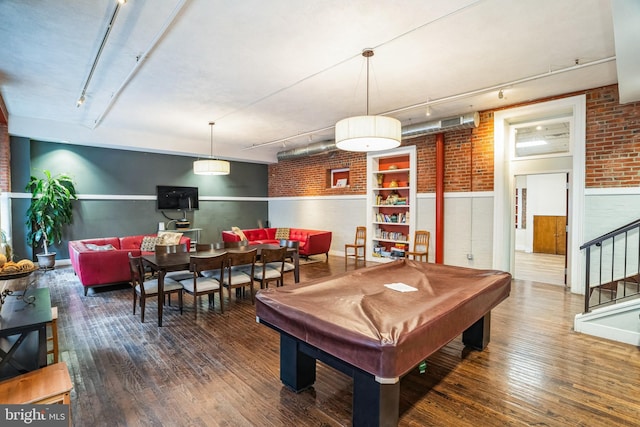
(391, 201)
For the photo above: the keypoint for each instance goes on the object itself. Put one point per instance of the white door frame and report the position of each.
(505, 171)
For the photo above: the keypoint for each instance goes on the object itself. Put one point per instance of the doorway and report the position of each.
(540, 208)
(508, 164)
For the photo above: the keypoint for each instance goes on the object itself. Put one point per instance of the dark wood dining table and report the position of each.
(164, 263)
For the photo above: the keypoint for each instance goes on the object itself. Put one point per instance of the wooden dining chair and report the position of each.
(289, 266)
(270, 268)
(210, 247)
(240, 271)
(215, 246)
(360, 242)
(420, 246)
(235, 244)
(200, 285)
(172, 249)
(147, 288)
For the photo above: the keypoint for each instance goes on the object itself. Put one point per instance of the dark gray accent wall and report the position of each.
(131, 177)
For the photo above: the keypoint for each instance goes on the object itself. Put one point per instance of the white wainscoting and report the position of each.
(338, 214)
(468, 222)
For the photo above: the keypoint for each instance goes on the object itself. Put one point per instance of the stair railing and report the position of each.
(612, 261)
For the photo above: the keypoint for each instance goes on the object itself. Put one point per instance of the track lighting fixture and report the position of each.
(97, 58)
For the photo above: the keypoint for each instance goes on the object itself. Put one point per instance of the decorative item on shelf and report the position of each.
(396, 253)
(393, 167)
(392, 198)
(377, 251)
(182, 223)
(368, 133)
(380, 178)
(393, 184)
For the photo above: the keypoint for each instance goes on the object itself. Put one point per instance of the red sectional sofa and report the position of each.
(95, 263)
(312, 242)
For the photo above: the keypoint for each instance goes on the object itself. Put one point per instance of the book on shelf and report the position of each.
(397, 253)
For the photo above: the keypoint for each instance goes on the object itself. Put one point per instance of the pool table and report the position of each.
(376, 324)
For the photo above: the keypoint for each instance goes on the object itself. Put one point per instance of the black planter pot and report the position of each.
(46, 261)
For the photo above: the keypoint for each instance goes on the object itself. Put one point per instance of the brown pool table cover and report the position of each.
(386, 333)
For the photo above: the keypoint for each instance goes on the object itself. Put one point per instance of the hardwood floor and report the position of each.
(224, 369)
(544, 268)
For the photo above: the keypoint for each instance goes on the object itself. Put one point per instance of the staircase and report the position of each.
(612, 286)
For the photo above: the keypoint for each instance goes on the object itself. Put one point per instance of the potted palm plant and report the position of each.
(49, 212)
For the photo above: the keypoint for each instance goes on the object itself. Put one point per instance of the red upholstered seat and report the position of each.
(312, 242)
(96, 264)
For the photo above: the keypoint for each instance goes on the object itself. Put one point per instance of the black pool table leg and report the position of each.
(297, 370)
(477, 335)
(368, 394)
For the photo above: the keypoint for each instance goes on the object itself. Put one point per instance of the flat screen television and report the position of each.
(171, 197)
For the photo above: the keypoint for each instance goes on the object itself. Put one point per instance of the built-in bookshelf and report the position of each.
(391, 202)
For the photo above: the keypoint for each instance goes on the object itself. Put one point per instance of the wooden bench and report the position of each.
(50, 384)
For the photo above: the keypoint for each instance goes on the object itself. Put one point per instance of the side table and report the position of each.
(23, 332)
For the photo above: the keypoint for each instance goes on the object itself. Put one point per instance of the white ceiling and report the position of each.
(278, 74)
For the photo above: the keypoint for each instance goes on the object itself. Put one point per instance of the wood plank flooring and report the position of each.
(223, 369)
(545, 268)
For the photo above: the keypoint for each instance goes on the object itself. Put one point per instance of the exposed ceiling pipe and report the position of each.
(463, 95)
(309, 150)
(470, 120)
(465, 121)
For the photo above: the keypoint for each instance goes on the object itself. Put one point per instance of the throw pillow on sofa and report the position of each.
(282, 233)
(149, 243)
(168, 238)
(92, 247)
(239, 233)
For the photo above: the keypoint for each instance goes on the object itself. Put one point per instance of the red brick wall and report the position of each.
(482, 148)
(5, 159)
(612, 154)
(613, 140)
(306, 176)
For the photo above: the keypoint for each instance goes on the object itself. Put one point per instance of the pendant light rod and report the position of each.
(368, 133)
(367, 53)
(211, 124)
